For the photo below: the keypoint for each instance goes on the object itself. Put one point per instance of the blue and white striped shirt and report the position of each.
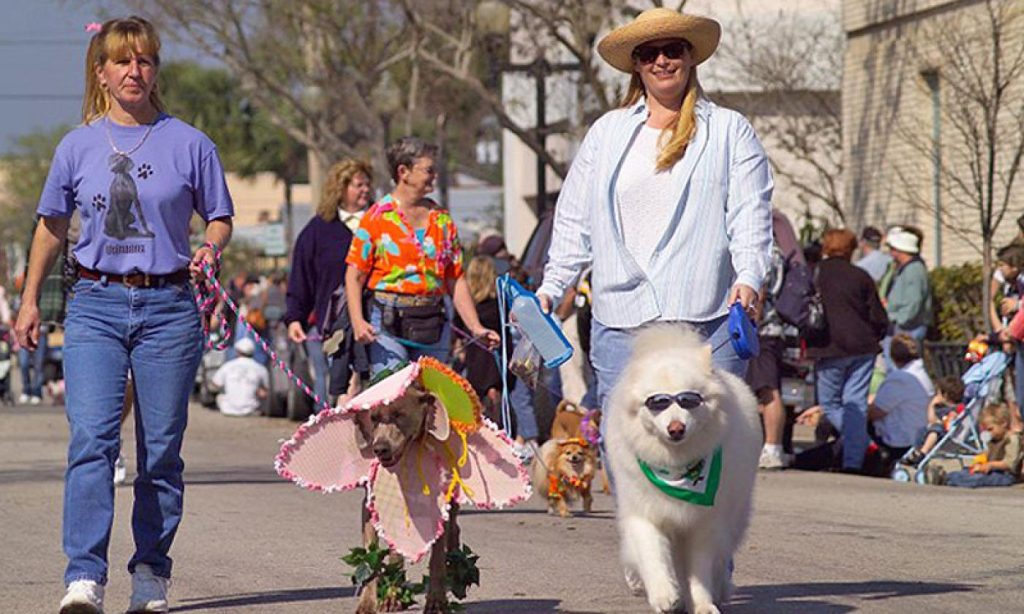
(720, 234)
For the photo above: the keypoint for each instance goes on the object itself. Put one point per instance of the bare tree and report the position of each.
(321, 70)
(471, 41)
(978, 67)
(791, 93)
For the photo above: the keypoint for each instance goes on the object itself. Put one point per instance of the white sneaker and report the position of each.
(34, 400)
(83, 597)
(525, 451)
(120, 471)
(23, 399)
(771, 460)
(149, 591)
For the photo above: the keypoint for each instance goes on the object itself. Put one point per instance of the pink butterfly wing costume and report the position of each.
(409, 502)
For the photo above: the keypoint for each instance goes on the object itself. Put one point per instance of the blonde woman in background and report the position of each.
(318, 271)
(481, 366)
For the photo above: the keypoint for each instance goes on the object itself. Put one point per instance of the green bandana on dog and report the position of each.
(697, 484)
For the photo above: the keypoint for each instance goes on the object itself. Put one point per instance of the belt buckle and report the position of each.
(136, 280)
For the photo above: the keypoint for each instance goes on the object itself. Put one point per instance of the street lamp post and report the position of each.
(539, 69)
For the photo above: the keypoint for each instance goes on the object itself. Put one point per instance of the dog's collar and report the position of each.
(697, 484)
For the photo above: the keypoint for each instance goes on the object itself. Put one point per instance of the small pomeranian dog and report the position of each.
(683, 442)
(566, 464)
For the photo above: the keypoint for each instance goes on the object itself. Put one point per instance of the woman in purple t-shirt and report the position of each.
(135, 175)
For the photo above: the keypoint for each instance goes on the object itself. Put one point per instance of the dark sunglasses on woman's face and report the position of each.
(645, 54)
(687, 399)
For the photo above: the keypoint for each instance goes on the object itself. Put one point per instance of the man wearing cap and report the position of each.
(243, 382)
(873, 259)
(668, 198)
(908, 300)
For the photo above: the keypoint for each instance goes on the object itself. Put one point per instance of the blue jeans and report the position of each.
(522, 400)
(610, 349)
(31, 365)
(110, 329)
(917, 333)
(965, 479)
(843, 393)
(387, 353)
(317, 359)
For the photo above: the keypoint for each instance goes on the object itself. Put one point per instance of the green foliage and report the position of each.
(24, 172)
(211, 99)
(958, 304)
(461, 571)
(394, 591)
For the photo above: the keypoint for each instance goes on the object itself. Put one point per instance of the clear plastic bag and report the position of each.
(526, 362)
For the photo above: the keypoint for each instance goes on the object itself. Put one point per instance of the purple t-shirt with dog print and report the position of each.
(135, 204)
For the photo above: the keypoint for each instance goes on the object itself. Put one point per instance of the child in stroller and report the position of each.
(962, 440)
(943, 408)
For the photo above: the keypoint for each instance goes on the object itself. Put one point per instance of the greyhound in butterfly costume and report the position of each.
(459, 458)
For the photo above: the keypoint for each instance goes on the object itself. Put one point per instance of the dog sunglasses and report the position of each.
(645, 54)
(687, 399)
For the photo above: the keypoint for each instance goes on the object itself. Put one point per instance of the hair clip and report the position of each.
(93, 27)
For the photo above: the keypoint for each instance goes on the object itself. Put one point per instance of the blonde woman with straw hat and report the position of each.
(669, 199)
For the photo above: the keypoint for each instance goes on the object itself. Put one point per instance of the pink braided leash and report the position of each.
(206, 295)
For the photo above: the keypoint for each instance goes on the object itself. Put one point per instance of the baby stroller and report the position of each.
(961, 441)
(5, 366)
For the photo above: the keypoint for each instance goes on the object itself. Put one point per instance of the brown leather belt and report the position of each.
(136, 280)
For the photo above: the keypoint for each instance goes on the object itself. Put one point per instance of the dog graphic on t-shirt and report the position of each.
(124, 197)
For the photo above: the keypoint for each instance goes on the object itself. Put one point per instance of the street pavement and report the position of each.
(251, 542)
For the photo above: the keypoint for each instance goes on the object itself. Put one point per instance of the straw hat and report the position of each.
(655, 24)
(903, 241)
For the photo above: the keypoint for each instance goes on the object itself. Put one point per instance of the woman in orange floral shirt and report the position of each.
(406, 253)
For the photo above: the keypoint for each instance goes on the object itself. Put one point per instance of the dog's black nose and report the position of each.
(676, 430)
(382, 450)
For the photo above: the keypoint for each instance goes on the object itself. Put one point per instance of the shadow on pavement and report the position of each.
(576, 515)
(521, 606)
(297, 595)
(801, 597)
(220, 477)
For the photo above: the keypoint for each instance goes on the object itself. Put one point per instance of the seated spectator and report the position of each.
(943, 407)
(244, 382)
(1000, 464)
(899, 410)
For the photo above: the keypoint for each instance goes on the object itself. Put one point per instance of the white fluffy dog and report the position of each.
(683, 441)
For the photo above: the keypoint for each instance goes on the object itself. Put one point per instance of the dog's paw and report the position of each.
(633, 581)
(435, 604)
(706, 608)
(664, 599)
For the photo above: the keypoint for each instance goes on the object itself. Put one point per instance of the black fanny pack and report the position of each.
(421, 324)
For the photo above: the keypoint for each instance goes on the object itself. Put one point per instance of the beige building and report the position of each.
(907, 142)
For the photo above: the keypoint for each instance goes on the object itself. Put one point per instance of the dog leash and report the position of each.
(207, 292)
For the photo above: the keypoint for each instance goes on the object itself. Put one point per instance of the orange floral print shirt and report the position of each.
(386, 248)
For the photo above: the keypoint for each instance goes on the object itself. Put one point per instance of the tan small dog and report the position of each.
(388, 431)
(563, 471)
(569, 424)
